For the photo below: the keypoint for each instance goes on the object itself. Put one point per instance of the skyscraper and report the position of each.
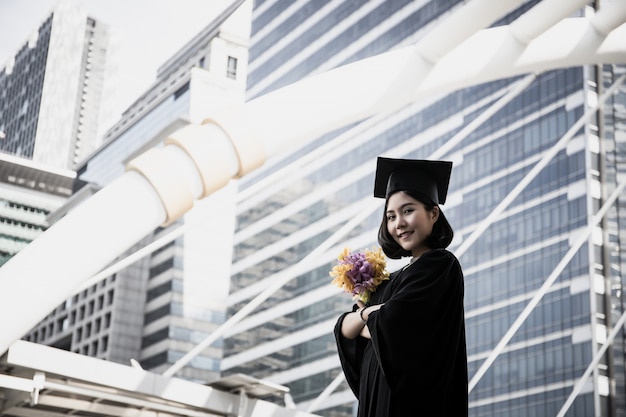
(53, 106)
(298, 202)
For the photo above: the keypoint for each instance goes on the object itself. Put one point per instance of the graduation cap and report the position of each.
(429, 178)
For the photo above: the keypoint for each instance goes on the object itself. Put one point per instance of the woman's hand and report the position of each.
(365, 331)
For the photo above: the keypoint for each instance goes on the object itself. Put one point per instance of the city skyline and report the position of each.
(148, 41)
(288, 209)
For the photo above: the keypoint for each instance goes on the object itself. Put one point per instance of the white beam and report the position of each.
(16, 383)
(334, 384)
(137, 403)
(96, 407)
(45, 273)
(463, 22)
(619, 326)
(542, 17)
(31, 412)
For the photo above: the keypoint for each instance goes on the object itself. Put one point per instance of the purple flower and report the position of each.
(360, 273)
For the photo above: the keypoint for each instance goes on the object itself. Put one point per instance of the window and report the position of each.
(159, 290)
(157, 314)
(155, 337)
(182, 90)
(154, 361)
(231, 69)
(163, 266)
(105, 343)
(63, 323)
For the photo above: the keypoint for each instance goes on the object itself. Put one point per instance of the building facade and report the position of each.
(300, 201)
(158, 307)
(29, 193)
(53, 107)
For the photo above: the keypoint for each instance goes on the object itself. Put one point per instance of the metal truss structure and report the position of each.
(162, 184)
(38, 381)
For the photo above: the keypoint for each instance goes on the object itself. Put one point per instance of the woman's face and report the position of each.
(409, 222)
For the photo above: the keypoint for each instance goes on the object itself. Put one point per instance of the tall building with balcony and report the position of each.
(297, 202)
(29, 193)
(53, 91)
(157, 307)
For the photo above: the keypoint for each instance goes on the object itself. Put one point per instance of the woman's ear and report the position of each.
(435, 213)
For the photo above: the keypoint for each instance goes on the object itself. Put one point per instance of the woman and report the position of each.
(403, 354)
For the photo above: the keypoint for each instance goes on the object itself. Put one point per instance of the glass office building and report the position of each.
(300, 201)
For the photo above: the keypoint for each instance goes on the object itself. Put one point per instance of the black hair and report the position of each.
(440, 237)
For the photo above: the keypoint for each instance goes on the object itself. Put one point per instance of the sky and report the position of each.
(152, 31)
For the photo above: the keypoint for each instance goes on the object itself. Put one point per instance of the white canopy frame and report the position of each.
(51, 382)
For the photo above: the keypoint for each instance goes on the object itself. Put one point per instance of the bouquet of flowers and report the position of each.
(360, 273)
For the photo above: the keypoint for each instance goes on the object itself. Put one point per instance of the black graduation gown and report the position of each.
(416, 362)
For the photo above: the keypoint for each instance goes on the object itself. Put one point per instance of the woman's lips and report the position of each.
(404, 235)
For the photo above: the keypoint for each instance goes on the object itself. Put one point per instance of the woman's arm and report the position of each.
(354, 324)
